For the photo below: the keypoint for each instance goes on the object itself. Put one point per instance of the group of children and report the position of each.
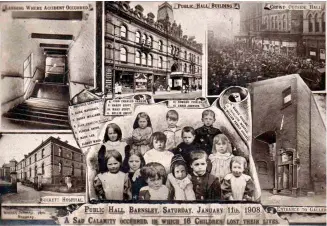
(174, 164)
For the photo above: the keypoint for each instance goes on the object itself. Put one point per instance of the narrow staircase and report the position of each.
(47, 108)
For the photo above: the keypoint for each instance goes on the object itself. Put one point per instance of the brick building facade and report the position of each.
(51, 162)
(289, 136)
(141, 53)
(289, 32)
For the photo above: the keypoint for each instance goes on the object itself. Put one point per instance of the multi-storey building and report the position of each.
(141, 53)
(290, 32)
(5, 172)
(314, 28)
(289, 136)
(52, 161)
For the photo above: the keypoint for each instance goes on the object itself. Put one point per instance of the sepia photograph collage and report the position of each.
(155, 112)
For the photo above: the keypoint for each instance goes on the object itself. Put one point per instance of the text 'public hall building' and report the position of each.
(51, 162)
(141, 53)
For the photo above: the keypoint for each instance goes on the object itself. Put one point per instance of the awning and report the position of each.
(180, 75)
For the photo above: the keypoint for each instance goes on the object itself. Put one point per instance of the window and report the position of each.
(138, 57)
(30, 160)
(72, 155)
(185, 55)
(35, 170)
(310, 23)
(144, 38)
(30, 172)
(316, 23)
(190, 68)
(82, 169)
(138, 37)
(123, 31)
(172, 50)
(60, 167)
(73, 169)
(143, 59)
(60, 151)
(42, 153)
(272, 23)
(276, 23)
(160, 62)
(323, 22)
(150, 41)
(198, 60)
(287, 97)
(35, 157)
(42, 168)
(150, 60)
(123, 54)
(185, 67)
(160, 45)
(190, 56)
(284, 23)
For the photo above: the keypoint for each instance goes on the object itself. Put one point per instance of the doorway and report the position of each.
(264, 152)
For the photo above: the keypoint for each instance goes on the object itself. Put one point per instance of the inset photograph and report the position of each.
(158, 51)
(40, 165)
(47, 55)
(256, 43)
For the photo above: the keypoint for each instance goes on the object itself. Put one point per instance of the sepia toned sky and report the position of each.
(17, 145)
(195, 22)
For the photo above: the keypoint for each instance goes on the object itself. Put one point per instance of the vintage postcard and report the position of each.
(163, 113)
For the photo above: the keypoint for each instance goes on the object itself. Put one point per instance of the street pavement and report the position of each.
(164, 94)
(30, 195)
(267, 198)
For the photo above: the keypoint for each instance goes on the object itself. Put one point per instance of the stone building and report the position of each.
(51, 162)
(281, 31)
(141, 52)
(5, 172)
(289, 136)
(314, 39)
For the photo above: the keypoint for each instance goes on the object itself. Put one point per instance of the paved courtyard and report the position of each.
(30, 195)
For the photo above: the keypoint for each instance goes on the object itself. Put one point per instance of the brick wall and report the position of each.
(318, 149)
(303, 134)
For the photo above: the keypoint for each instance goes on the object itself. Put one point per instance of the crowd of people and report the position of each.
(177, 163)
(232, 65)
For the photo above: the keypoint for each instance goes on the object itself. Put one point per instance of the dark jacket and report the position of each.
(206, 187)
(204, 137)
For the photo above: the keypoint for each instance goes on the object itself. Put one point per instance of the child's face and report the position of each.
(171, 122)
(237, 169)
(208, 120)
(143, 123)
(112, 134)
(180, 172)
(134, 163)
(154, 182)
(199, 166)
(188, 137)
(221, 147)
(113, 165)
(158, 145)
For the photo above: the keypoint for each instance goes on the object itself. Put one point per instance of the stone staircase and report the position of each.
(47, 108)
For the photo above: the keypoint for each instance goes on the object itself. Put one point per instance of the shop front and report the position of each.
(315, 49)
(143, 82)
(131, 82)
(178, 80)
(160, 82)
